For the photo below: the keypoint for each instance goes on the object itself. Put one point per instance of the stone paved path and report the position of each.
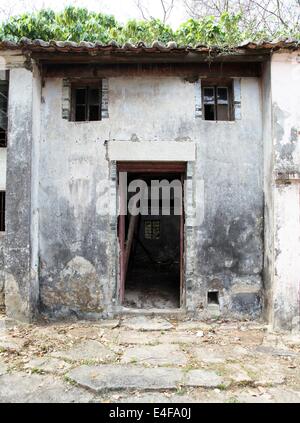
(148, 359)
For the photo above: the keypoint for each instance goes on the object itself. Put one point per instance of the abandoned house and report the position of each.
(85, 128)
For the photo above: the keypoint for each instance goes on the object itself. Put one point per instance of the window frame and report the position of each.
(216, 84)
(5, 82)
(3, 143)
(87, 85)
(2, 210)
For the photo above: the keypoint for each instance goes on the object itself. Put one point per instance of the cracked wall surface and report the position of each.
(2, 276)
(61, 254)
(285, 81)
(2, 234)
(225, 250)
(21, 271)
(61, 248)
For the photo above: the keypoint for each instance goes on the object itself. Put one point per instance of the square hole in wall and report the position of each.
(213, 297)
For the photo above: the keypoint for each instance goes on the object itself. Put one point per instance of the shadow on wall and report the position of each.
(234, 244)
(231, 261)
(2, 276)
(73, 256)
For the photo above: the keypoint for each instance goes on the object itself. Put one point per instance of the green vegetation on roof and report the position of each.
(79, 24)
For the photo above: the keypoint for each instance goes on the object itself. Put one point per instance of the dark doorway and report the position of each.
(152, 240)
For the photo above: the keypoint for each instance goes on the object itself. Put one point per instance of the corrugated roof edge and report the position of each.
(156, 46)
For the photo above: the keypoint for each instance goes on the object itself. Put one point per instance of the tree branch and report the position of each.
(141, 8)
(277, 15)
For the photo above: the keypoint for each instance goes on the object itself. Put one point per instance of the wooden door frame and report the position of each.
(149, 167)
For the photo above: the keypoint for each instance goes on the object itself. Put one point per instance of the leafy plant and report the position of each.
(79, 24)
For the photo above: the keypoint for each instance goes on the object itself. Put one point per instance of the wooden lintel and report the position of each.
(152, 167)
(189, 70)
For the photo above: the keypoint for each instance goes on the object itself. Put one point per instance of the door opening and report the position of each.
(151, 235)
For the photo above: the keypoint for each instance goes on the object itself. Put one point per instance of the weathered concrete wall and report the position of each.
(61, 248)
(285, 80)
(286, 289)
(77, 259)
(21, 281)
(2, 239)
(229, 243)
(268, 191)
(74, 236)
(2, 278)
(2, 188)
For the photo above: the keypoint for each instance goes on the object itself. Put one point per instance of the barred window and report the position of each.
(3, 108)
(217, 102)
(3, 137)
(86, 102)
(2, 211)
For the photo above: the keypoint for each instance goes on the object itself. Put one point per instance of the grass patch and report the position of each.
(153, 343)
(69, 380)
(181, 390)
(35, 370)
(222, 387)
(188, 367)
(232, 400)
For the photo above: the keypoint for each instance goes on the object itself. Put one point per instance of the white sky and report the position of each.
(121, 9)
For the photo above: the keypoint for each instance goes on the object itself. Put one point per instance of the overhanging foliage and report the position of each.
(79, 24)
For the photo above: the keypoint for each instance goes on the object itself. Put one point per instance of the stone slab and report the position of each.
(109, 324)
(285, 395)
(266, 374)
(219, 354)
(33, 388)
(12, 344)
(237, 374)
(3, 369)
(157, 355)
(152, 398)
(128, 337)
(48, 365)
(203, 379)
(89, 350)
(276, 351)
(191, 325)
(144, 323)
(181, 338)
(108, 378)
(208, 355)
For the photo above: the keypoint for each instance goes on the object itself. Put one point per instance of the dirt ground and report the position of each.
(148, 359)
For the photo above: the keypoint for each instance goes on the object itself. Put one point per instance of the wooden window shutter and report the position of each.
(104, 100)
(198, 99)
(66, 99)
(237, 98)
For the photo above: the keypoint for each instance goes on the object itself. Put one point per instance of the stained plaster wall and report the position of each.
(21, 270)
(269, 184)
(77, 252)
(285, 81)
(2, 234)
(2, 275)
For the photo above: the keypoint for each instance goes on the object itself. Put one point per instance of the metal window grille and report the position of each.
(87, 103)
(2, 211)
(217, 103)
(3, 112)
